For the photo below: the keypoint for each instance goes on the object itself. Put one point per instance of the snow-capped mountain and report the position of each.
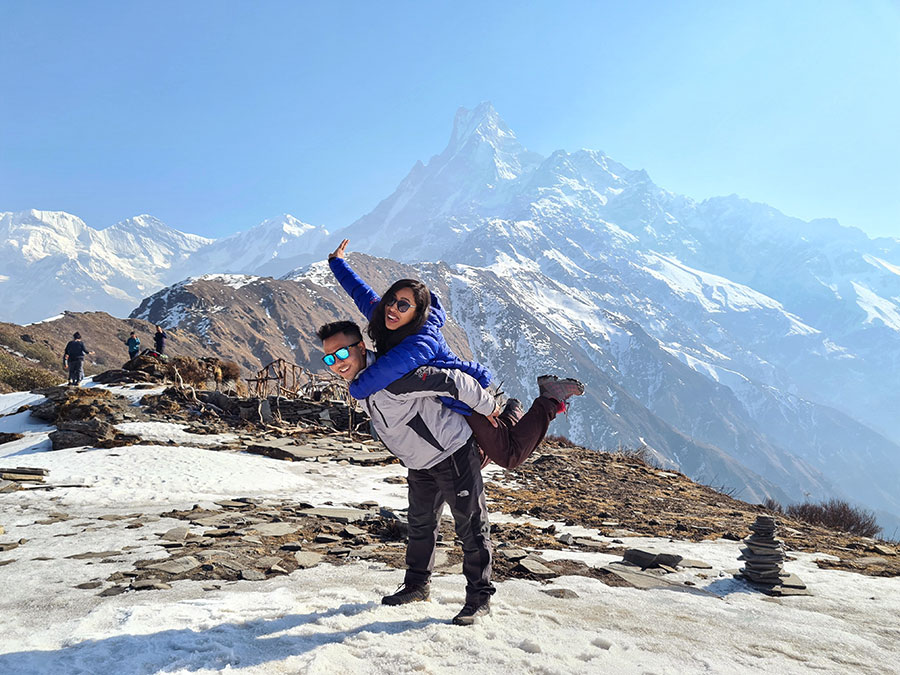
(708, 327)
(272, 248)
(53, 261)
(796, 320)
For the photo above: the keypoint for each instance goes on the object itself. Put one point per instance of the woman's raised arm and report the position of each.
(362, 294)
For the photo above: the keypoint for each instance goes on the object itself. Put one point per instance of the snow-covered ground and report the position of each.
(328, 619)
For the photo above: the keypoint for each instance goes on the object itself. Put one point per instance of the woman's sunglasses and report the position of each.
(402, 305)
(340, 355)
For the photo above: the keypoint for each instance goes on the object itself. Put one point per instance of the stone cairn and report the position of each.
(764, 554)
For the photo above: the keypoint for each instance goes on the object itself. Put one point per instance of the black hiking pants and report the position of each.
(76, 371)
(457, 482)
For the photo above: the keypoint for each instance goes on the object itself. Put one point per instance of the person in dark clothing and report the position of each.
(159, 340)
(73, 359)
(134, 345)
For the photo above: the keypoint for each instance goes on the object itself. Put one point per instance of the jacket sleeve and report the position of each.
(414, 351)
(445, 358)
(365, 298)
(428, 381)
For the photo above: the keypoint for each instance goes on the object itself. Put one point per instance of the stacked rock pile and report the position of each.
(764, 554)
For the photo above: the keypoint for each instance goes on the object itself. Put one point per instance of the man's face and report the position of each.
(347, 368)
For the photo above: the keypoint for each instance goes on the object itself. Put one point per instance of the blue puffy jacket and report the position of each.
(427, 347)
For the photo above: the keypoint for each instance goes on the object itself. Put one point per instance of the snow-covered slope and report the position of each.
(328, 619)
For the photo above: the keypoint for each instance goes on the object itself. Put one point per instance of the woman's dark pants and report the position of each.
(508, 445)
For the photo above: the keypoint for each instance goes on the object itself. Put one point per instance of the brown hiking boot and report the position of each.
(407, 593)
(559, 390)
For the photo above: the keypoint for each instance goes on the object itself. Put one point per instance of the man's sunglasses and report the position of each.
(339, 355)
(402, 305)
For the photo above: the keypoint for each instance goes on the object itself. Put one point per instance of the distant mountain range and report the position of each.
(751, 349)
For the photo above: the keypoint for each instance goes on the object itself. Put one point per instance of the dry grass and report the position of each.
(17, 376)
(835, 514)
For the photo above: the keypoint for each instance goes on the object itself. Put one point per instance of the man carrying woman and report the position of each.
(433, 411)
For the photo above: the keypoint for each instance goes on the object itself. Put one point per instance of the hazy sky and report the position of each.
(214, 116)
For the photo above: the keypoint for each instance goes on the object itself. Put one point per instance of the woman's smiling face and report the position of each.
(393, 317)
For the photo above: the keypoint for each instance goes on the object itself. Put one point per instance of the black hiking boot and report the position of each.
(513, 411)
(560, 390)
(471, 612)
(407, 593)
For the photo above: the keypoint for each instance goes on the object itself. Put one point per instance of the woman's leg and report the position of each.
(508, 445)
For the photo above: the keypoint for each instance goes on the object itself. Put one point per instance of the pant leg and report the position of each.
(75, 373)
(426, 502)
(508, 445)
(460, 481)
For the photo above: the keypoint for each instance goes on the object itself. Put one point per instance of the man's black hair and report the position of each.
(347, 327)
(76, 336)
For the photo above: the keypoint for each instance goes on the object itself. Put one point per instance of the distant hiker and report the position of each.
(159, 340)
(405, 326)
(134, 346)
(73, 359)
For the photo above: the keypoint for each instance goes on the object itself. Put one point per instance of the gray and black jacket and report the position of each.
(412, 422)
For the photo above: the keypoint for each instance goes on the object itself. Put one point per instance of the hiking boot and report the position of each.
(559, 390)
(513, 411)
(407, 593)
(471, 612)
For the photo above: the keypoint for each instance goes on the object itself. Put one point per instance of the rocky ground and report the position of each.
(618, 494)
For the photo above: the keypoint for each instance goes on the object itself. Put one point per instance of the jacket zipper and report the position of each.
(380, 414)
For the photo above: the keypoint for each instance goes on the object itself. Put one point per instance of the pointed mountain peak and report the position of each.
(482, 124)
(486, 140)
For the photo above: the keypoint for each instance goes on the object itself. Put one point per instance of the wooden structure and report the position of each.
(280, 378)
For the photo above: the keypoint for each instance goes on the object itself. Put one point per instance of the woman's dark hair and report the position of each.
(385, 339)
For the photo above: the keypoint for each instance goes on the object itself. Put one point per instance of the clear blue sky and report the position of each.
(214, 116)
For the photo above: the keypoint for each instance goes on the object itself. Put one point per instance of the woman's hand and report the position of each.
(492, 418)
(339, 251)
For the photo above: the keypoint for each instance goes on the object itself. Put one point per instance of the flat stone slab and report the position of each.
(150, 585)
(341, 515)
(177, 566)
(694, 564)
(93, 554)
(326, 538)
(266, 562)
(650, 558)
(306, 559)
(512, 553)
(176, 534)
(252, 575)
(564, 593)
(217, 520)
(276, 529)
(634, 577)
(535, 568)
(367, 458)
